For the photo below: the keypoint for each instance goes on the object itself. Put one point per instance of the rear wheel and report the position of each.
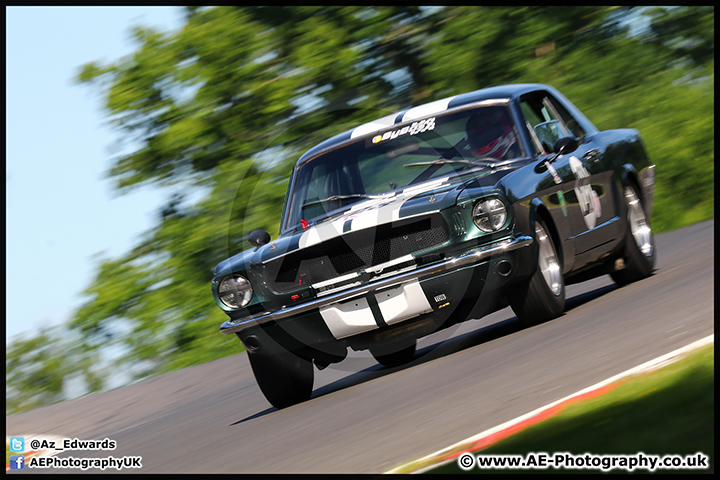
(542, 297)
(284, 378)
(394, 358)
(639, 254)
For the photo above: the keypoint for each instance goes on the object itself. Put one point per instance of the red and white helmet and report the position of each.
(489, 133)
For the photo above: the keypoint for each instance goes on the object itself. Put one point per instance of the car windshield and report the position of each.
(400, 156)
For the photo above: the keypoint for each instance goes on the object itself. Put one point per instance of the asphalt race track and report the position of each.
(363, 418)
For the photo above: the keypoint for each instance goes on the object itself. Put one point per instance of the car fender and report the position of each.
(643, 181)
(565, 248)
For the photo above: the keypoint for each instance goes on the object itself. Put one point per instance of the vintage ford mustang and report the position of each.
(431, 216)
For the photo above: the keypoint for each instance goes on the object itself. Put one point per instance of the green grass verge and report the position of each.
(669, 411)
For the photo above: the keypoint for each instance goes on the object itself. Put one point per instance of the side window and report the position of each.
(530, 115)
(532, 118)
(545, 122)
(569, 120)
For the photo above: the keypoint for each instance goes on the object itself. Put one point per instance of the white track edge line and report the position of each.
(647, 366)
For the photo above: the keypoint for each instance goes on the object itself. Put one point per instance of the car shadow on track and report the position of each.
(576, 301)
(447, 346)
(439, 349)
(252, 417)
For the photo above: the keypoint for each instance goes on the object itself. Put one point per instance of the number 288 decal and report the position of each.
(587, 197)
(414, 129)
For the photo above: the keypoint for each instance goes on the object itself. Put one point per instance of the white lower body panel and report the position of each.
(396, 305)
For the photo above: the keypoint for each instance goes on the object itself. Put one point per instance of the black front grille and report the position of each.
(355, 251)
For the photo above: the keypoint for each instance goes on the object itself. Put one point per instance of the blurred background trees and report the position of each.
(48, 368)
(217, 113)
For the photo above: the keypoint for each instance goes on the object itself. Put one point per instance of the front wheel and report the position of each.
(639, 254)
(284, 378)
(542, 297)
(394, 358)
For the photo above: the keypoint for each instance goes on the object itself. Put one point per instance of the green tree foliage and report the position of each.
(686, 33)
(40, 369)
(222, 108)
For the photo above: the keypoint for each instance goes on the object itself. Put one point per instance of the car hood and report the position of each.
(421, 199)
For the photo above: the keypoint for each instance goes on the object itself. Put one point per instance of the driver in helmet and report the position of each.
(490, 134)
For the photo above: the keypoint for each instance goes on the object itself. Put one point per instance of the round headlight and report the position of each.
(489, 214)
(235, 291)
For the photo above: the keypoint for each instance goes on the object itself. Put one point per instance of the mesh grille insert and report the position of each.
(355, 251)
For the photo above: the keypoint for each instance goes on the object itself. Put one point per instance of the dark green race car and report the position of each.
(431, 216)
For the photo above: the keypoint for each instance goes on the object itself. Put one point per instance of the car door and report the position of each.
(594, 223)
(553, 175)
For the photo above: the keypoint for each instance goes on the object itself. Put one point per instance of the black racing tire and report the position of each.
(542, 296)
(395, 358)
(284, 378)
(639, 255)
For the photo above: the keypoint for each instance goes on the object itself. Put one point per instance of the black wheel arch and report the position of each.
(539, 210)
(631, 178)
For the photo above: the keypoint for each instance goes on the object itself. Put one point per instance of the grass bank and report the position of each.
(667, 411)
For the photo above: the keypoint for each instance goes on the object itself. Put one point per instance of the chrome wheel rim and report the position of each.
(639, 226)
(547, 261)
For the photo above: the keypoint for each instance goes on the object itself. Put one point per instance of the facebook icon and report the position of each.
(17, 462)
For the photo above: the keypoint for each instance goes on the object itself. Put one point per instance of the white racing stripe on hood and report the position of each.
(424, 187)
(323, 232)
(366, 214)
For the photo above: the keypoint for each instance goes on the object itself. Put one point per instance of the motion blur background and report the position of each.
(210, 110)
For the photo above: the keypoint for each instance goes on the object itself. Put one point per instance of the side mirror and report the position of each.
(562, 146)
(566, 145)
(258, 238)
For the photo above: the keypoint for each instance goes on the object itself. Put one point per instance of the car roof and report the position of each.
(420, 111)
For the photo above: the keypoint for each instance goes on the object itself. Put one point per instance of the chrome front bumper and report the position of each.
(476, 256)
